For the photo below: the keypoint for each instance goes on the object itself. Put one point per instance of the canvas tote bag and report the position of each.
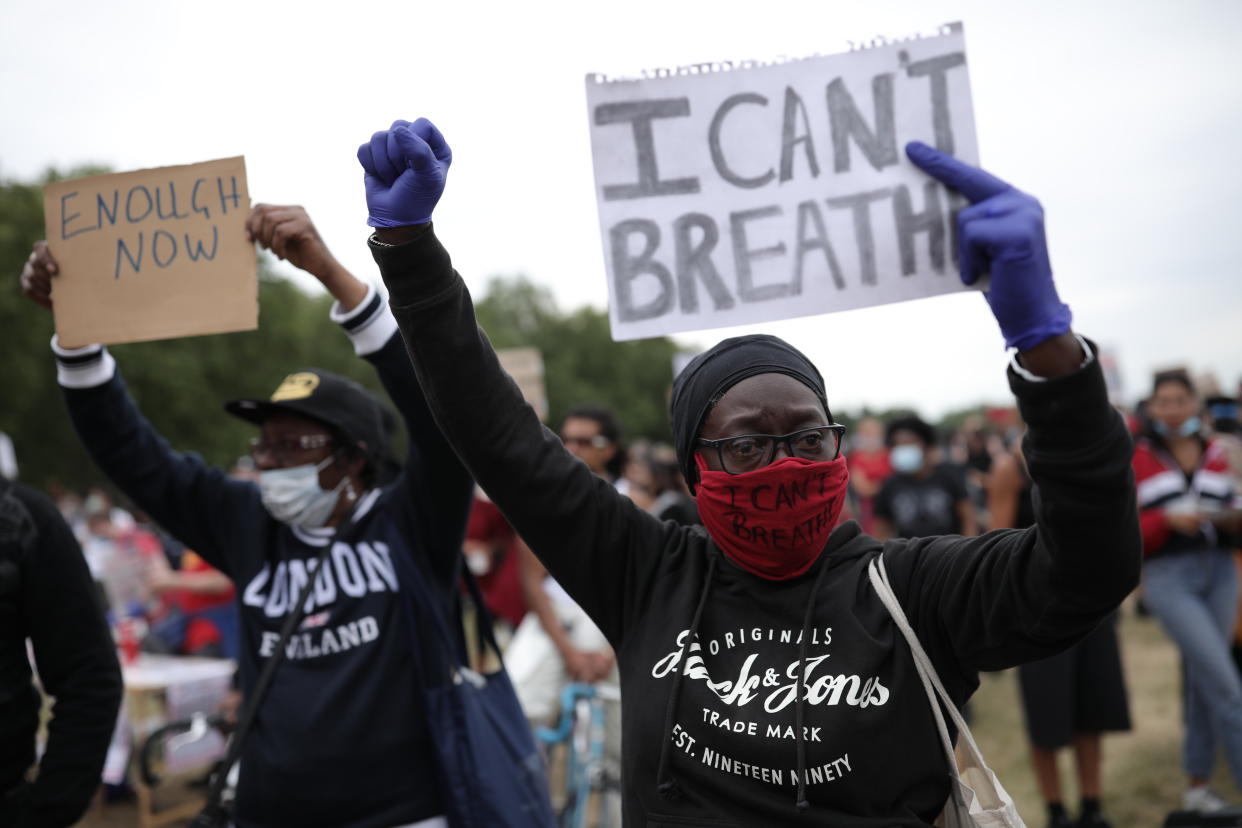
(490, 772)
(977, 797)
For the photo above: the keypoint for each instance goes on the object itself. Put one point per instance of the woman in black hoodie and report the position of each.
(765, 683)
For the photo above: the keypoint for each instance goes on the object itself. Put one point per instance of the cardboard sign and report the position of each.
(152, 254)
(738, 193)
(525, 365)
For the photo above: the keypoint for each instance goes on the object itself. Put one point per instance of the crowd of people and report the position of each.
(725, 581)
(167, 597)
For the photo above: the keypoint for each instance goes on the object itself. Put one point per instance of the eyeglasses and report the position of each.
(599, 441)
(748, 452)
(285, 447)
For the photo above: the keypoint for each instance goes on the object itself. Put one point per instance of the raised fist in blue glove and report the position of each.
(405, 170)
(1002, 233)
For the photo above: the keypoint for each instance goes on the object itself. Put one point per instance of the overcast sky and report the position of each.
(1124, 118)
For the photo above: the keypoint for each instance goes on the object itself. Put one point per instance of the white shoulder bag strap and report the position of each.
(980, 797)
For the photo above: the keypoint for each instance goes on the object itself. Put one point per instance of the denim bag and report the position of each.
(491, 774)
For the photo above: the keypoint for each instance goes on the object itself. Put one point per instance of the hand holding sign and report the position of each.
(288, 231)
(37, 275)
(1002, 233)
(406, 167)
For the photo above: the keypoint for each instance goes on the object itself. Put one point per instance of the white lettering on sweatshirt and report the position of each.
(777, 686)
(351, 570)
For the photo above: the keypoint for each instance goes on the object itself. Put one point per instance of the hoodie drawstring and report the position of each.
(801, 802)
(666, 786)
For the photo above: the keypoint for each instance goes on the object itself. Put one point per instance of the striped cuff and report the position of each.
(1029, 377)
(369, 325)
(85, 367)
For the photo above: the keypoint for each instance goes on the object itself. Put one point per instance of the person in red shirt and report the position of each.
(202, 619)
(491, 549)
(869, 467)
(1185, 495)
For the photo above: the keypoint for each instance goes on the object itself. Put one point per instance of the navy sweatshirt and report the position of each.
(341, 738)
(723, 750)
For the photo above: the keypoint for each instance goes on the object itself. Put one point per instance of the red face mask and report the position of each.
(773, 522)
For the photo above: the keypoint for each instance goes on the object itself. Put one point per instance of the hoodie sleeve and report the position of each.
(1012, 596)
(596, 543)
(435, 484)
(179, 491)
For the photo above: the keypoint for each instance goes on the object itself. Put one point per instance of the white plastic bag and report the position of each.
(977, 797)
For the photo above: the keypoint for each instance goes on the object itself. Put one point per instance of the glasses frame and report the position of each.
(304, 443)
(599, 441)
(777, 439)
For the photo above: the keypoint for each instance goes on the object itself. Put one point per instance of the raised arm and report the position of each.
(594, 541)
(1011, 596)
(435, 481)
(182, 493)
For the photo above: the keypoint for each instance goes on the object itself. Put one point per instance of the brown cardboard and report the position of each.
(152, 254)
(525, 365)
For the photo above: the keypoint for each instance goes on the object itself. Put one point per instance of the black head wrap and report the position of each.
(710, 374)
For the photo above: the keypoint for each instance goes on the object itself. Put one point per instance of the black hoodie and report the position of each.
(47, 597)
(719, 746)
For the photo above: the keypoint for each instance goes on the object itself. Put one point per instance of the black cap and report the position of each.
(333, 400)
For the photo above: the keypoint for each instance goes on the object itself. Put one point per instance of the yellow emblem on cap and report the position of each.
(297, 386)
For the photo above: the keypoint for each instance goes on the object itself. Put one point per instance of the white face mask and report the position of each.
(906, 458)
(294, 497)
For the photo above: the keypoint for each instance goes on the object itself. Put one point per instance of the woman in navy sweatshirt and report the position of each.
(342, 736)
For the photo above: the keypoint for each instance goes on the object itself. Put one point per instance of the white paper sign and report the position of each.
(735, 194)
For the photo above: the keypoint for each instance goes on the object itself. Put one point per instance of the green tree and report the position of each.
(581, 361)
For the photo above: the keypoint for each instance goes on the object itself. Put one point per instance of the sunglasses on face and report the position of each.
(599, 441)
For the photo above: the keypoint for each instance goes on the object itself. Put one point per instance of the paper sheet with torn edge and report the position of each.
(152, 254)
(748, 192)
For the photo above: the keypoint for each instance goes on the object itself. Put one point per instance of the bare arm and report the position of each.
(289, 233)
(578, 664)
(162, 578)
(1055, 357)
(1004, 487)
(967, 518)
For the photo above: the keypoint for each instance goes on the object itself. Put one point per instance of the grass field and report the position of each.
(1142, 772)
(1142, 777)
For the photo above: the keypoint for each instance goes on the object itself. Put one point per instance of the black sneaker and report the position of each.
(1060, 821)
(1093, 821)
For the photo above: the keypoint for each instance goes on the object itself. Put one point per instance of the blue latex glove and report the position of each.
(405, 170)
(1001, 233)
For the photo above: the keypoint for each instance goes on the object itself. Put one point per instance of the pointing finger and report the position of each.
(972, 182)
